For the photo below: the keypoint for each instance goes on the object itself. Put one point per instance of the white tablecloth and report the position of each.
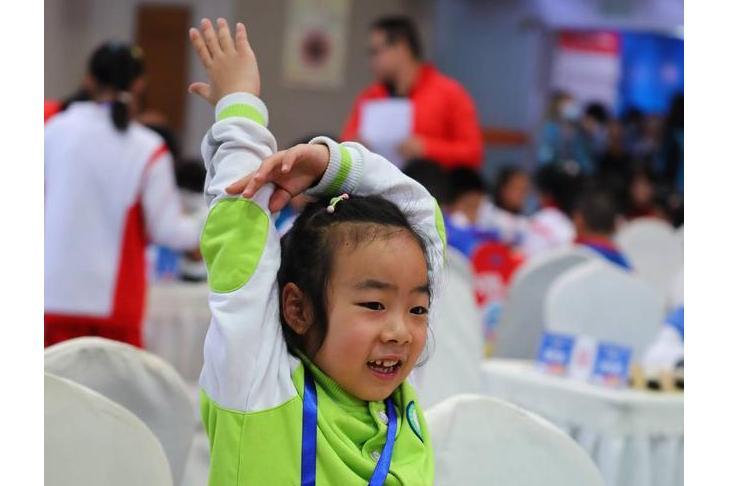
(635, 437)
(176, 321)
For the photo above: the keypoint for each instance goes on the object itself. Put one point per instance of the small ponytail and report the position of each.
(120, 115)
(115, 66)
(120, 110)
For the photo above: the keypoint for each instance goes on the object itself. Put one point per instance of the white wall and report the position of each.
(499, 53)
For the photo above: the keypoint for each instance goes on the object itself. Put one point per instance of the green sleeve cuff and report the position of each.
(343, 171)
(245, 111)
(242, 105)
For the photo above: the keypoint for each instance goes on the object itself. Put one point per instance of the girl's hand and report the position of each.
(231, 66)
(292, 171)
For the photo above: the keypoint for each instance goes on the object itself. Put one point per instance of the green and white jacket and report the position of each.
(252, 387)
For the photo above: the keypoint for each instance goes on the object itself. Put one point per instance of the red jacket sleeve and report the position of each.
(350, 132)
(465, 146)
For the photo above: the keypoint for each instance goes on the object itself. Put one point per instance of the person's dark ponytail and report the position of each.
(120, 115)
(115, 66)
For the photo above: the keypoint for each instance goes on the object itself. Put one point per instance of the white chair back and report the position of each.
(90, 440)
(139, 381)
(679, 234)
(521, 326)
(654, 251)
(676, 296)
(455, 352)
(489, 442)
(599, 300)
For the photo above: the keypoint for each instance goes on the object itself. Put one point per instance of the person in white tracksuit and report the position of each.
(109, 190)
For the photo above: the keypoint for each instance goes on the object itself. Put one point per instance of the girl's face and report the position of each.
(378, 301)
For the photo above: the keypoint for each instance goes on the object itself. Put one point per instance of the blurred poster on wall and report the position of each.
(315, 43)
(587, 65)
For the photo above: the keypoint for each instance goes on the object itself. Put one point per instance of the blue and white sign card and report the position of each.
(612, 365)
(555, 353)
(585, 359)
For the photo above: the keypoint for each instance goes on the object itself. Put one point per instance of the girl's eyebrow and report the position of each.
(372, 283)
(421, 289)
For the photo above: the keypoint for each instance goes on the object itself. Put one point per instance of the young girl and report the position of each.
(312, 338)
(109, 190)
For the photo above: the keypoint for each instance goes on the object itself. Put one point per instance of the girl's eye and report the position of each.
(372, 305)
(419, 310)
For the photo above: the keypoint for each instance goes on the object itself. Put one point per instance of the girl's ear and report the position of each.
(296, 307)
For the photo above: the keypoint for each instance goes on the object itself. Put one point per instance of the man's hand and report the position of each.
(412, 148)
(292, 171)
(231, 66)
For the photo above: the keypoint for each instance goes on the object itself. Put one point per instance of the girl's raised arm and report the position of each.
(245, 360)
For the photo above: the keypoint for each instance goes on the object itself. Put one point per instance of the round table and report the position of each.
(176, 321)
(635, 437)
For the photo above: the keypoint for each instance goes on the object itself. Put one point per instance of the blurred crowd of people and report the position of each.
(637, 156)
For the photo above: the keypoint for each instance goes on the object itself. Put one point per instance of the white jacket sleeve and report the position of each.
(164, 220)
(246, 364)
(354, 169)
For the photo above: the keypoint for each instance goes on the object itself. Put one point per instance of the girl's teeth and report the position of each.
(384, 363)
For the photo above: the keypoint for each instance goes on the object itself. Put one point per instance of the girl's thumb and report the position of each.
(200, 89)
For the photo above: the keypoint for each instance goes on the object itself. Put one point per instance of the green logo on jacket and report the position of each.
(412, 415)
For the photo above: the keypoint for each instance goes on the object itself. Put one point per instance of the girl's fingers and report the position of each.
(226, 41)
(241, 37)
(271, 168)
(211, 40)
(279, 199)
(200, 89)
(288, 161)
(256, 182)
(238, 186)
(266, 173)
(199, 45)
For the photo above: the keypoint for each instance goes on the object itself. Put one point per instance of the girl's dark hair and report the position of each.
(308, 249)
(115, 66)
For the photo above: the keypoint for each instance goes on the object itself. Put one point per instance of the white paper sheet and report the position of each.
(384, 125)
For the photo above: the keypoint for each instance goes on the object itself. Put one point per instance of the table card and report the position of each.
(585, 359)
(612, 365)
(555, 353)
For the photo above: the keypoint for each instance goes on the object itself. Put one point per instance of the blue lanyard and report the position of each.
(308, 437)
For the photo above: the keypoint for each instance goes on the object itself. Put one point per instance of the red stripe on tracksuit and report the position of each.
(125, 321)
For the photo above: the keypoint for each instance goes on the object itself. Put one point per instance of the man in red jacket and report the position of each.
(445, 125)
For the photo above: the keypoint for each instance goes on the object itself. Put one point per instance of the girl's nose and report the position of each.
(397, 331)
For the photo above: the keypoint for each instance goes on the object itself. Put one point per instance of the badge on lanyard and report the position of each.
(412, 415)
(308, 437)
